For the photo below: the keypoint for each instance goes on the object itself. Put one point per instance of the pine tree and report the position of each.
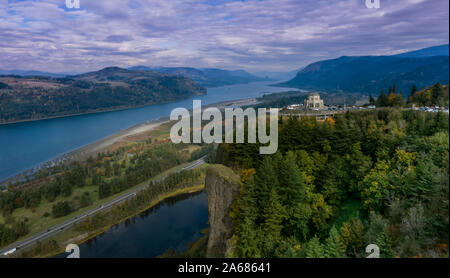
(371, 100)
(248, 241)
(334, 247)
(435, 93)
(314, 249)
(413, 90)
(426, 182)
(382, 100)
(246, 204)
(266, 179)
(274, 214)
(292, 185)
(383, 241)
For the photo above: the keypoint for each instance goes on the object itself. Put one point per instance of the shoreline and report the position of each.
(95, 147)
(80, 239)
(112, 109)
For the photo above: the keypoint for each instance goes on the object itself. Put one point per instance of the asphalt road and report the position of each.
(68, 223)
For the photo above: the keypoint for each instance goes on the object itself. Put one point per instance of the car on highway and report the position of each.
(9, 252)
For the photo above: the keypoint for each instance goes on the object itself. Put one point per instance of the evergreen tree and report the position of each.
(371, 100)
(398, 100)
(292, 185)
(315, 249)
(426, 181)
(274, 214)
(352, 233)
(382, 100)
(413, 90)
(247, 205)
(248, 241)
(334, 247)
(384, 243)
(435, 93)
(266, 179)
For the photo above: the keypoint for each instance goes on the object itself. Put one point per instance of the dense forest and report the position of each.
(334, 187)
(31, 98)
(430, 96)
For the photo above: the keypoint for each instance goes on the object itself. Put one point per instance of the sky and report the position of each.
(255, 35)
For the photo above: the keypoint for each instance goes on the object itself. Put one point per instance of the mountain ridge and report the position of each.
(38, 97)
(370, 74)
(208, 77)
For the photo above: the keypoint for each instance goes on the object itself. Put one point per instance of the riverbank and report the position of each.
(71, 236)
(102, 145)
(91, 149)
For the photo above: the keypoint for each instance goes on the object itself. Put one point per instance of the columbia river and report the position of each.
(28, 144)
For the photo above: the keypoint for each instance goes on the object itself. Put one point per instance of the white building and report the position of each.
(314, 102)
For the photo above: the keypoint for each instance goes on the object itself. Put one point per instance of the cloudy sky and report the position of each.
(274, 35)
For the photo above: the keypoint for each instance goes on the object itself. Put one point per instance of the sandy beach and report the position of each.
(103, 144)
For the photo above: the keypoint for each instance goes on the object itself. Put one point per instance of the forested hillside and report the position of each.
(368, 177)
(370, 74)
(31, 98)
(434, 95)
(209, 77)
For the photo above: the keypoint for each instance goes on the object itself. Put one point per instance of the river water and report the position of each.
(25, 145)
(174, 223)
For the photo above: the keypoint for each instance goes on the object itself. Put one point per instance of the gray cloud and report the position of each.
(251, 34)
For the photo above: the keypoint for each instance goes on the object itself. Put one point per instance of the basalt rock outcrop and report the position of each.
(222, 187)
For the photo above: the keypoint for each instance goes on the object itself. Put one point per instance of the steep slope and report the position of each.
(222, 188)
(370, 74)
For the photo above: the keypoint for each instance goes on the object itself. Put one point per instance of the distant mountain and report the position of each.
(30, 98)
(440, 50)
(277, 76)
(370, 74)
(208, 77)
(33, 73)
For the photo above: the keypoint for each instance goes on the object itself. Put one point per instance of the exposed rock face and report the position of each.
(222, 187)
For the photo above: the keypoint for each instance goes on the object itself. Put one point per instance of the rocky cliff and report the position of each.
(222, 188)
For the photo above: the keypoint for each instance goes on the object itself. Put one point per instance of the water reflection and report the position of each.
(173, 223)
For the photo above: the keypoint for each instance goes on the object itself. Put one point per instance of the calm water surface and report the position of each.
(174, 223)
(24, 145)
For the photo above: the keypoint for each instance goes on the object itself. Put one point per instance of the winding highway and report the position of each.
(68, 223)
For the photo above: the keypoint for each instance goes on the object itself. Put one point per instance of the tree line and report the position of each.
(334, 187)
(436, 95)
